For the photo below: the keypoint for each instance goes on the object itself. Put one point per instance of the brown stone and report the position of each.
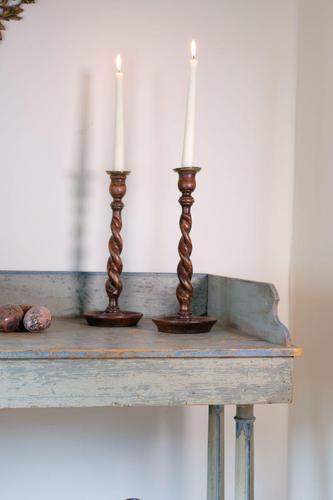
(37, 318)
(25, 308)
(10, 318)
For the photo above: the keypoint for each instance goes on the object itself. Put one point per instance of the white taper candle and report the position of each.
(189, 134)
(118, 161)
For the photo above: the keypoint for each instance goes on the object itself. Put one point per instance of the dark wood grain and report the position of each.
(113, 285)
(185, 322)
(112, 316)
(184, 292)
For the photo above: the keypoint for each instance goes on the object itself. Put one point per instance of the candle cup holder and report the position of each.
(113, 316)
(185, 322)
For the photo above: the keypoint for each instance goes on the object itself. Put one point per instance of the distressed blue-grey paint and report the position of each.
(248, 306)
(72, 338)
(55, 383)
(68, 294)
(244, 470)
(247, 358)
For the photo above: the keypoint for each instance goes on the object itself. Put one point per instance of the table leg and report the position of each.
(215, 473)
(244, 489)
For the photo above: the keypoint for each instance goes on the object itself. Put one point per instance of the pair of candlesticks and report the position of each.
(184, 321)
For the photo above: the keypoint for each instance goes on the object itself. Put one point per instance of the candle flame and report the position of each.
(119, 63)
(194, 49)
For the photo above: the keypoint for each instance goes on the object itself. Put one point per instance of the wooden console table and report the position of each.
(247, 359)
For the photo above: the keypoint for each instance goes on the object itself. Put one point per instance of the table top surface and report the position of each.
(72, 338)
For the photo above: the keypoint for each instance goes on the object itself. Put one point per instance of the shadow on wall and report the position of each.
(311, 430)
(104, 453)
(80, 188)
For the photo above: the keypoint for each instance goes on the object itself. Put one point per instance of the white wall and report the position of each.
(310, 434)
(56, 102)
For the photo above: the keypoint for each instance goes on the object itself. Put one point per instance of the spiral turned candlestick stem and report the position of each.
(185, 322)
(113, 285)
(113, 316)
(184, 292)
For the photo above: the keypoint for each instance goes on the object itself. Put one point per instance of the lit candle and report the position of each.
(118, 162)
(188, 148)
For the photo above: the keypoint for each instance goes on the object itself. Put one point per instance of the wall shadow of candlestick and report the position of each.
(80, 190)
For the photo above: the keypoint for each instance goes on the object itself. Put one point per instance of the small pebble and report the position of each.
(10, 318)
(37, 318)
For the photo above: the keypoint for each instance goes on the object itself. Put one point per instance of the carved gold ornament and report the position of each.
(11, 10)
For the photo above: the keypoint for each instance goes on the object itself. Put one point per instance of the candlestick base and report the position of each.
(114, 319)
(193, 324)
